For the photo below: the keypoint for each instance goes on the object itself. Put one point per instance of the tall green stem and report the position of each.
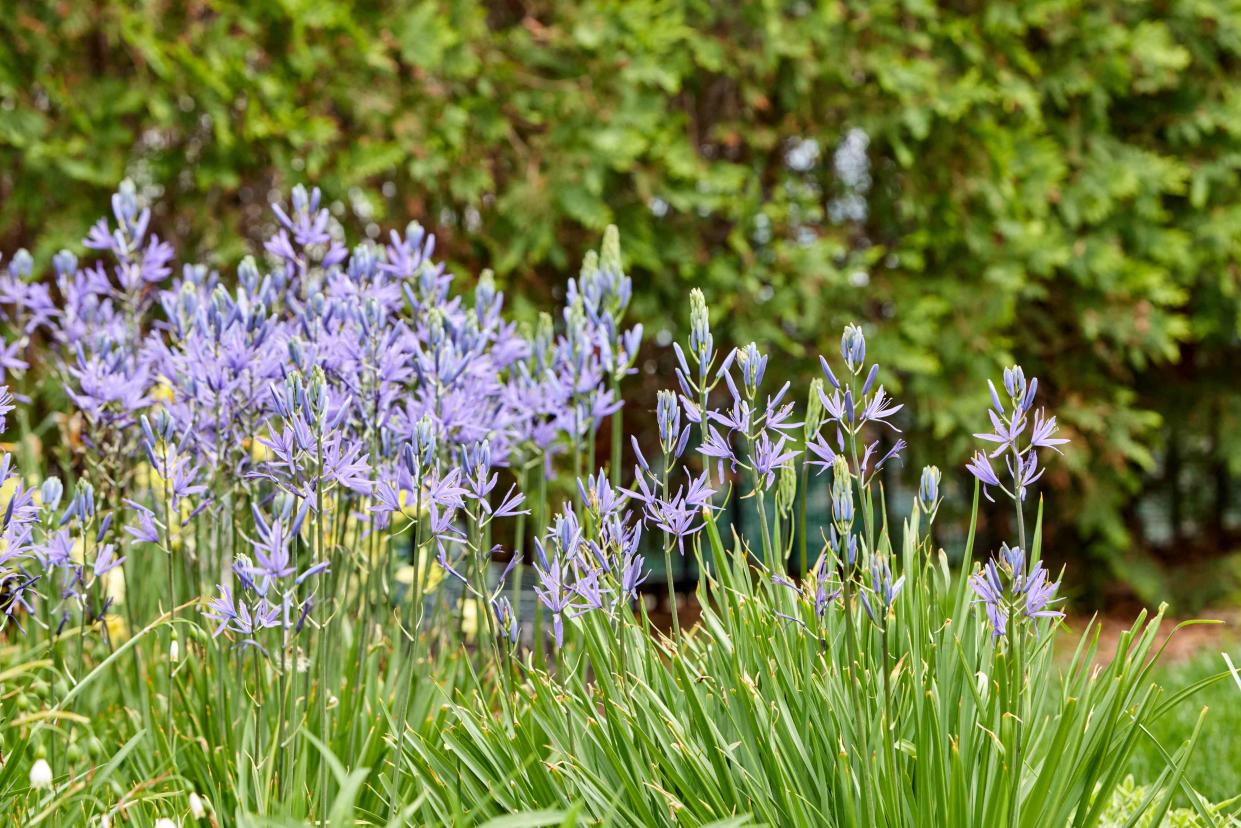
(803, 496)
(618, 434)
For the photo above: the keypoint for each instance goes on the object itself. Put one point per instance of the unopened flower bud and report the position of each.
(753, 364)
(485, 294)
(435, 327)
(197, 809)
(248, 274)
(928, 490)
(40, 774)
(701, 344)
(296, 352)
(668, 418)
(786, 487)
(842, 505)
(853, 347)
(590, 266)
(64, 263)
(316, 393)
(84, 502)
(301, 199)
(22, 264)
(609, 253)
(814, 408)
(1015, 382)
(50, 492)
(424, 437)
(842, 493)
(362, 262)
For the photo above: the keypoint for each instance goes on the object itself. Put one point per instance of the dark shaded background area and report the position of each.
(1053, 182)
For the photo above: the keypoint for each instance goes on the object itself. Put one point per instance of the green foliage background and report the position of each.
(1050, 181)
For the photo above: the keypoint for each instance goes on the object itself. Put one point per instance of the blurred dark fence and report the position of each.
(1048, 182)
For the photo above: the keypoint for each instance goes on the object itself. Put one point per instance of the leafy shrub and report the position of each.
(1046, 180)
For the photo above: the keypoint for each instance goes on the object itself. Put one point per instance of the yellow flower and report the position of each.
(469, 619)
(259, 452)
(435, 577)
(7, 490)
(145, 476)
(162, 392)
(118, 630)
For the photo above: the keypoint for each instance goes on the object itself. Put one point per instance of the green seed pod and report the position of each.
(786, 488)
(609, 254)
(197, 634)
(841, 476)
(590, 265)
(814, 408)
(700, 342)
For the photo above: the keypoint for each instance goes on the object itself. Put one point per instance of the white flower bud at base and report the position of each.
(197, 809)
(40, 774)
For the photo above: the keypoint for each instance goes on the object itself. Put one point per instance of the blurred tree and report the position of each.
(1050, 181)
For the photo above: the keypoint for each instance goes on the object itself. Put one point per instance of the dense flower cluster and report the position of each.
(323, 401)
(320, 390)
(1006, 589)
(1012, 584)
(1010, 420)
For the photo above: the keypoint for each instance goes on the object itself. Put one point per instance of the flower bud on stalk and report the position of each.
(40, 774)
(786, 488)
(842, 495)
(50, 493)
(316, 394)
(928, 490)
(853, 347)
(668, 418)
(64, 263)
(814, 409)
(753, 364)
(701, 345)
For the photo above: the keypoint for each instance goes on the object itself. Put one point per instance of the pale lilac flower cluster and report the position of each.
(1004, 586)
(1006, 590)
(54, 563)
(570, 581)
(354, 381)
(762, 430)
(267, 590)
(1011, 418)
(851, 407)
(579, 569)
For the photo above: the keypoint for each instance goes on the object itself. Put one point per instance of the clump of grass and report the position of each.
(1216, 769)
